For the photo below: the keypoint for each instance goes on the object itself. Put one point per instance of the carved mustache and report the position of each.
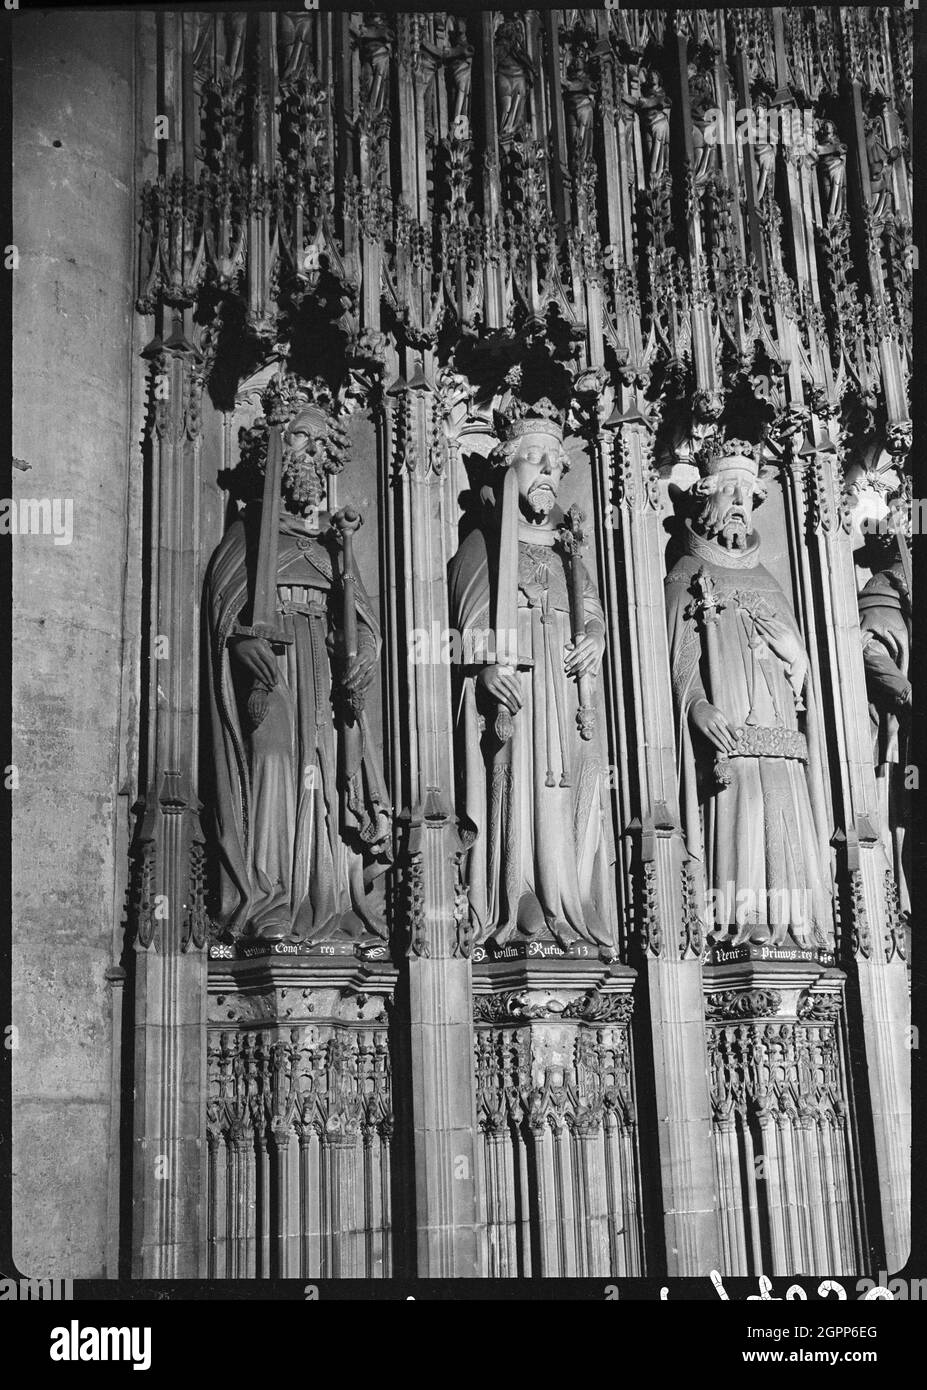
(542, 485)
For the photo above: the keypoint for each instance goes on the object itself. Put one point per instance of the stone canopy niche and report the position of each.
(491, 689)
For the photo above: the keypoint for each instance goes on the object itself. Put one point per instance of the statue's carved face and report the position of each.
(296, 438)
(538, 467)
(727, 515)
(299, 431)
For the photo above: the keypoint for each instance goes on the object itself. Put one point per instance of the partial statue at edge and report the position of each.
(885, 626)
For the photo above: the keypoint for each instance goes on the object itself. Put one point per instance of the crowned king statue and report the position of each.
(302, 818)
(751, 789)
(532, 633)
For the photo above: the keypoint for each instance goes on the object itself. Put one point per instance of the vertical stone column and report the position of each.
(169, 908)
(671, 934)
(441, 1042)
(76, 417)
(438, 959)
(169, 911)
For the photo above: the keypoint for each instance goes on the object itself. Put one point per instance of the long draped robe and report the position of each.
(541, 864)
(301, 811)
(764, 842)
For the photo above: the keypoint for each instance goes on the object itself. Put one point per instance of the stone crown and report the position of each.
(541, 417)
(719, 455)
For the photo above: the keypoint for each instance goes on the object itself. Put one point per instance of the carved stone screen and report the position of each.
(462, 570)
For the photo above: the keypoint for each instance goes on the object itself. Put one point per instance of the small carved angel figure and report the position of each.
(832, 162)
(764, 149)
(880, 158)
(295, 32)
(579, 100)
(702, 103)
(373, 42)
(459, 60)
(515, 74)
(654, 106)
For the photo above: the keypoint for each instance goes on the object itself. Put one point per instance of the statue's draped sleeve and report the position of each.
(685, 653)
(226, 594)
(469, 604)
(469, 592)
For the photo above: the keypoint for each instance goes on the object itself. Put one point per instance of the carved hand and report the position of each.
(359, 673)
(584, 656)
(501, 682)
(709, 720)
(256, 655)
(785, 642)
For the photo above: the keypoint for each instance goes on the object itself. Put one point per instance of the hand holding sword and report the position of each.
(705, 714)
(501, 680)
(572, 537)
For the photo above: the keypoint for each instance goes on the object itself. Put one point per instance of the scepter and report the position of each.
(346, 522)
(264, 617)
(572, 536)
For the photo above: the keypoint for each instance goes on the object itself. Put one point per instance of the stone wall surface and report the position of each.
(74, 215)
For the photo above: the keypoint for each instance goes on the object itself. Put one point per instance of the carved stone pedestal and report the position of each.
(559, 1186)
(300, 1118)
(784, 1145)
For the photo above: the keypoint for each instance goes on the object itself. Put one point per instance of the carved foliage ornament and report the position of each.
(742, 1003)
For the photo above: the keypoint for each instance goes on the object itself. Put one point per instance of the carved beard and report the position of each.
(541, 498)
(732, 530)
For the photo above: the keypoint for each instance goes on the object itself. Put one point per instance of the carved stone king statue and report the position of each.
(301, 810)
(751, 789)
(530, 766)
